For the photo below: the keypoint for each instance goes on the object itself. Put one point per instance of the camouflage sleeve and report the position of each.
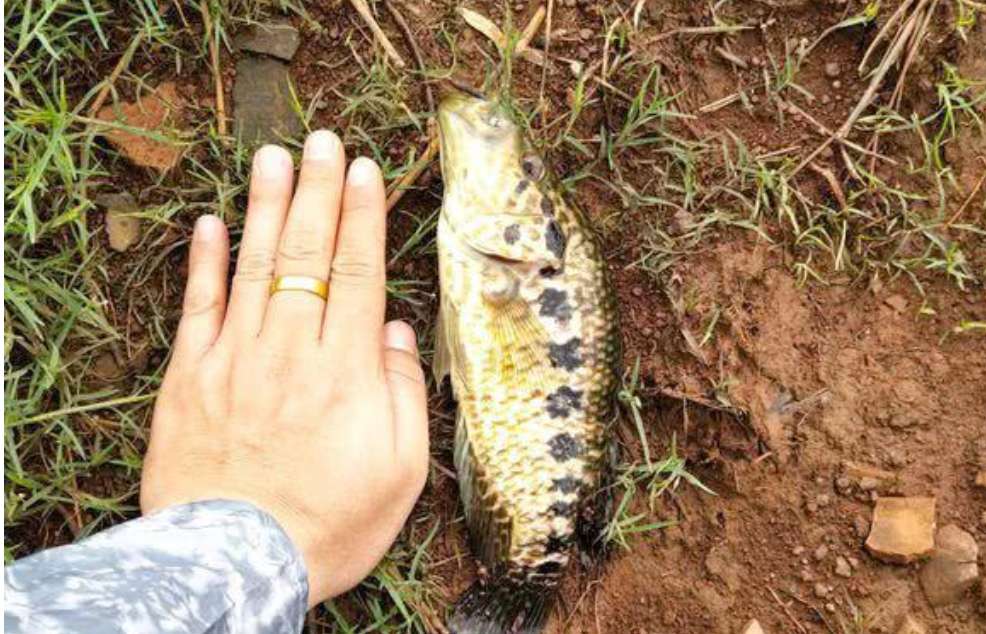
(208, 567)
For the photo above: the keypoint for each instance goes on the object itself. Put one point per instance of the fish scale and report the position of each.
(529, 336)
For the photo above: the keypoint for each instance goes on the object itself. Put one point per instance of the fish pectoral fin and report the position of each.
(490, 534)
(516, 238)
(521, 345)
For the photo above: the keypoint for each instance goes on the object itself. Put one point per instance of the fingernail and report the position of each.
(400, 335)
(321, 144)
(207, 228)
(270, 160)
(363, 171)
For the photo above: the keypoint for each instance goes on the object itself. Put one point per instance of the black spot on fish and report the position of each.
(511, 234)
(554, 239)
(556, 544)
(549, 272)
(565, 446)
(547, 207)
(566, 355)
(562, 401)
(554, 303)
(549, 568)
(533, 167)
(521, 186)
(568, 484)
(562, 509)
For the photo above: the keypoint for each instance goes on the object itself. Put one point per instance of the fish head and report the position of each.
(481, 148)
(489, 171)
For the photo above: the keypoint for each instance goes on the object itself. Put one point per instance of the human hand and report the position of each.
(314, 411)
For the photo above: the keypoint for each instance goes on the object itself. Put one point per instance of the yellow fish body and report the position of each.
(529, 336)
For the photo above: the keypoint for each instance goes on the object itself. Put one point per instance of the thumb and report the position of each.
(409, 396)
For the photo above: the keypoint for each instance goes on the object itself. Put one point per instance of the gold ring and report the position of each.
(304, 283)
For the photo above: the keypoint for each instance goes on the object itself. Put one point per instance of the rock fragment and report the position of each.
(752, 627)
(264, 109)
(981, 479)
(952, 569)
(832, 70)
(903, 529)
(122, 227)
(911, 626)
(277, 39)
(842, 567)
(152, 112)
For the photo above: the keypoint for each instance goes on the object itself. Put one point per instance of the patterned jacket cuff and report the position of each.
(211, 566)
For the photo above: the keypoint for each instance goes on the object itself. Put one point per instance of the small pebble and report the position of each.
(832, 70)
(821, 552)
(820, 590)
(842, 567)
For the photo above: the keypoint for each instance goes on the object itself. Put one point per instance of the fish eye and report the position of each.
(532, 166)
(494, 120)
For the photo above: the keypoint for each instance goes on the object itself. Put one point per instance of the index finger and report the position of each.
(357, 283)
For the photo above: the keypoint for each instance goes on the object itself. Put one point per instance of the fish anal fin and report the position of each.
(490, 534)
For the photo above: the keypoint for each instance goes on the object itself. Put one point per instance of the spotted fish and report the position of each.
(528, 334)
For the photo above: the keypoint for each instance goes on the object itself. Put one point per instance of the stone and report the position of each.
(122, 227)
(262, 99)
(842, 567)
(832, 70)
(278, 39)
(903, 529)
(868, 483)
(821, 552)
(821, 590)
(911, 626)
(152, 112)
(897, 302)
(952, 569)
(869, 478)
(752, 627)
(105, 367)
(981, 479)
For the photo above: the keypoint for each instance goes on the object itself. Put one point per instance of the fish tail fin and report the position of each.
(501, 606)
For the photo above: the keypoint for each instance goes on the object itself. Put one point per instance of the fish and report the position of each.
(528, 335)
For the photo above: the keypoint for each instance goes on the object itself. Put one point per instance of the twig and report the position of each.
(493, 33)
(787, 611)
(889, 59)
(216, 74)
(415, 50)
(698, 30)
(364, 11)
(793, 107)
(833, 184)
(731, 57)
(975, 190)
(530, 30)
(396, 189)
(121, 65)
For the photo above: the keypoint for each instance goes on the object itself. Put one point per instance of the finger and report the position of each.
(356, 289)
(309, 234)
(406, 382)
(271, 183)
(205, 291)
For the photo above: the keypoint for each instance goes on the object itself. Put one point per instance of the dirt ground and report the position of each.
(800, 387)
